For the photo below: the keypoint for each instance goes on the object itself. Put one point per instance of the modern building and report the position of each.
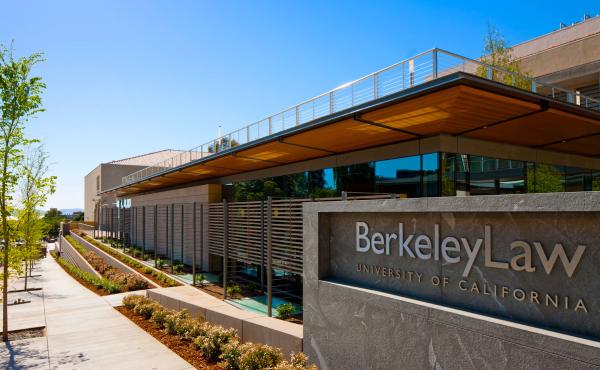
(108, 175)
(437, 126)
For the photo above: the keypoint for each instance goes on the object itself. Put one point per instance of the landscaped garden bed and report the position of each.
(205, 345)
(98, 285)
(156, 276)
(124, 281)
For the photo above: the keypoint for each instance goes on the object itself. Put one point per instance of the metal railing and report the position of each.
(417, 70)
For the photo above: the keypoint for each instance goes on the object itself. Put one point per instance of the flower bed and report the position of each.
(158, 277)
(100, 286)
(125, 281)
(213, 343)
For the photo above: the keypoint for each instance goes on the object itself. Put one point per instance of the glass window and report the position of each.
(357, 178)
(399, 176)
(596, 181)
(575, 179)
(321, 184)
(430, 175)
(548, 178)
(448, 164)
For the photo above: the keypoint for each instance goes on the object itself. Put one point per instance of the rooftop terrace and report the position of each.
(424, 68)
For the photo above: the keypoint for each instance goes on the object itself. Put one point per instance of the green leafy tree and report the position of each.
(52, 219)
(499, 55)
(20, 100)
(35, 188)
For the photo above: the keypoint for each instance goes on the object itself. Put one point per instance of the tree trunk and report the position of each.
(26, 263)
(3, 210)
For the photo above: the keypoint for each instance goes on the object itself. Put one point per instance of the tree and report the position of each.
(52, 219)
(499, 55)
(20, 100)
(35, 188)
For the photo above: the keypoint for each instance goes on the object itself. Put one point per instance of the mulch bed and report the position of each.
(26, 333)
(183, 348)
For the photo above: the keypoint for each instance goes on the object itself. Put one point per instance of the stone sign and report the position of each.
(536, 268)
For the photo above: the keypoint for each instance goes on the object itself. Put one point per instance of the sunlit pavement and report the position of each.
(83, 331)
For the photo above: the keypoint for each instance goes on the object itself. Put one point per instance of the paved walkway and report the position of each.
(83, 330)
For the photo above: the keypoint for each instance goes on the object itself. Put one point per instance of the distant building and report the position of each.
(109, 175)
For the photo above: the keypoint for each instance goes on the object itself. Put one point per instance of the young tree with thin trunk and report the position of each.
(20, 100)
(35, 188)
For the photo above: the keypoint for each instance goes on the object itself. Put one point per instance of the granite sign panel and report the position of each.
(537, 268)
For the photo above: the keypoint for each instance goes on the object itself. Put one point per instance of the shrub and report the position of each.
(159, 315)
(211, 344)
(285, 310)
(230, 355)
(147, 270)
(160, 263)
(178, 268)
(259, 356)
(250, 287)
(175, 322)
(135, 283)
(132, 300)
(299, 361)
(196, 329)
(146, 310)
(233, 290)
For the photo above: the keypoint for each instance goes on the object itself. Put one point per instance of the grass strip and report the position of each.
(87, 279)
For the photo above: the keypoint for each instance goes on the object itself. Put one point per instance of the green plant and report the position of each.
(285, 310)
(146, 310)
(132, 300)
(160, 263)
(250, 287)
(299, 361)
(211, 344)
(196, 329)
(259, 356)
(200, 278)
(176, 321)
(159, 315)
(230, 355)
(233, 290)
(178, 268)
(100, 283)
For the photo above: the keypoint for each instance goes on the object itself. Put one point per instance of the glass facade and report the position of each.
(427, 175)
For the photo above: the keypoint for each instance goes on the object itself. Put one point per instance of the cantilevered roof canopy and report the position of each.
(458, 104)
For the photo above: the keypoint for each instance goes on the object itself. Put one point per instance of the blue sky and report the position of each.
(129, 77)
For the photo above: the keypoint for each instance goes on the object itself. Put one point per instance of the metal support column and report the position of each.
(194, 244)
(269, 257)
(201, 236)
(155, 232)
(167, 231)
(182, 239)
(172, 234)
(225, 246)
(143, 232)
(262, 246)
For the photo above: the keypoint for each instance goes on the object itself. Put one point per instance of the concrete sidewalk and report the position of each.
(83, 331)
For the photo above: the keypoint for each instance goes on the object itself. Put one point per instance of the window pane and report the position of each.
(430, 175)
(548, 178)
(400, 176)
(321, 183)
(447, 177)
(575, 178)
(596, 181)
(358, 178)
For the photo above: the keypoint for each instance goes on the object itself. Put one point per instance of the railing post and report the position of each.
(489, 71)
(375, 86)
(434, 63)
(194, 244)
(269, 257)
(411, 72)
(533, 86)
(225, 246)
(270, 125)
(331, 102)
(247, 134)
(166, 230)
(297, 115)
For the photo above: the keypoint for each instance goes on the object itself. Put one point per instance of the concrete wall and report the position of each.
(348, 324)
(110, 175)
(70, 254)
